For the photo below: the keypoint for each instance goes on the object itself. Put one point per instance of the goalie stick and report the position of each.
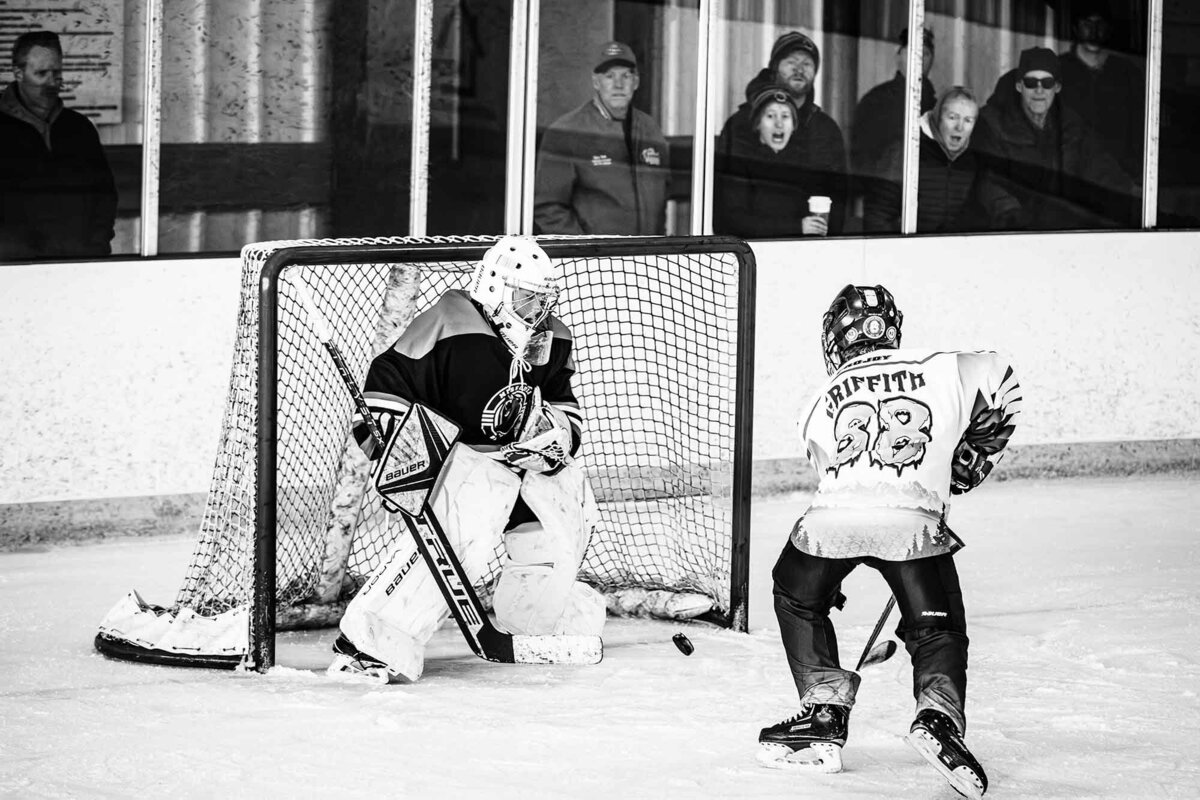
(484, 639)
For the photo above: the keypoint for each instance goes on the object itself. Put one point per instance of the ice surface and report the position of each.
(1083, 599)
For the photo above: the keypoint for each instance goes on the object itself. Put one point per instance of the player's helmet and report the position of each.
(517, 285)
(860, 319)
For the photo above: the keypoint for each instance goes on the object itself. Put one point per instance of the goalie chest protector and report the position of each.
(451, 360)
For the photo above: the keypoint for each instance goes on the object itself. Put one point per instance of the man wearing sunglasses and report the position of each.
(1045, 167)
(1100, 84)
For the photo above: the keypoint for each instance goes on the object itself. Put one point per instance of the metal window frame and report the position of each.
(1150, 156)
(151, 128)
(422, 92)
(913, 82)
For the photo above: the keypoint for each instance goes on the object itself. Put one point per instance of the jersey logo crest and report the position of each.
(505, 412)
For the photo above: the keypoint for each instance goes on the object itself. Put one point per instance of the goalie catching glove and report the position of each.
(545, 441)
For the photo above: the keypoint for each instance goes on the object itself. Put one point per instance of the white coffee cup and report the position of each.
(819, 206)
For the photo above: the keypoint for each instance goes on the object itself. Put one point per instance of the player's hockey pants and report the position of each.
(933, 627)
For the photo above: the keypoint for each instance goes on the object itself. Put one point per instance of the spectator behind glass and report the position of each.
(949, 172)
(1106, 90)
(815, 155)
(759, 193)
(879, 118)
(1045, 168)
(603, 168)
(57, 195)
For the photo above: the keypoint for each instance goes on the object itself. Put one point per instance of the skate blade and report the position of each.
(553, 649)
(962, 778)
(819, 757)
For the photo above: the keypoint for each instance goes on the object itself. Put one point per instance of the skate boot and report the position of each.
(351, 664)
(812, 740)
(934, 736)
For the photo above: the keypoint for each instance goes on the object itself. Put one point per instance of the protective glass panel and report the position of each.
(616, 117)
(1179, 159)
(468, 127)
(796, 73)
(877, 140)
(263, 104)
(1057, 94)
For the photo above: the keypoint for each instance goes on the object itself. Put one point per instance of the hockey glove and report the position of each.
(545, 442)
(968, 469)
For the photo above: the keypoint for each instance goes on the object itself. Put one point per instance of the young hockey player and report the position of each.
(892, 434)
(488, 359)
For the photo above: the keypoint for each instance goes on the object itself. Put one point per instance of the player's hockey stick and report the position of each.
(485, 640)
(872, 655)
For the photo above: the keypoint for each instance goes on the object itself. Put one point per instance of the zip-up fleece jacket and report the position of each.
(600, 175)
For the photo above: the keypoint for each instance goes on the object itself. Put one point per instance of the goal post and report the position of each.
(663, 344)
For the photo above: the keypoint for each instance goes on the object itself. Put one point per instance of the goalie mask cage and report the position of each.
(663, 349)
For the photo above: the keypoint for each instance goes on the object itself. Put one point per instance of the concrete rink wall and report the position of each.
(114, 376)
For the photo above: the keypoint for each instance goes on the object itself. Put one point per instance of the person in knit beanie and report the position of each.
(815, 152)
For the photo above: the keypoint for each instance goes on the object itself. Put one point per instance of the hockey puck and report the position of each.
(683, 643)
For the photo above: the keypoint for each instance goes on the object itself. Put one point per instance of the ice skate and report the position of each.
(934, 736)
(351, 664)
(812, 740)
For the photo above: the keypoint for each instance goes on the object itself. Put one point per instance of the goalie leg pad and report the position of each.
(396, 611)
(537, 592)
(400, 606)
(538, 571)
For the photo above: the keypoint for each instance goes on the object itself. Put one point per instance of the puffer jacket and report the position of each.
(1057, 178)
(946, 191)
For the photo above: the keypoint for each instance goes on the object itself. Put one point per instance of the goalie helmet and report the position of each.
(517, 285)
(860, 319)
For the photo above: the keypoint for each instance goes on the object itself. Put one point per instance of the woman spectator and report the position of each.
(949, 173)
(763, 172)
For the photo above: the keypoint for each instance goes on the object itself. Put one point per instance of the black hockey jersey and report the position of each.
(450, 359)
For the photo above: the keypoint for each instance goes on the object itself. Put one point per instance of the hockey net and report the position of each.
(663, 355)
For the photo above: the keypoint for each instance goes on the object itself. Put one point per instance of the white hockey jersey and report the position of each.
(882, 432)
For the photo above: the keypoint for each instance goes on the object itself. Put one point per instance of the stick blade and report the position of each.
(879, 654)
(557, 649)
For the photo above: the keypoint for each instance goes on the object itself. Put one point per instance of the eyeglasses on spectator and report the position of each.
(1045, 83)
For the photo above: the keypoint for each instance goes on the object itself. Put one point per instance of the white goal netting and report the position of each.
(657, 354)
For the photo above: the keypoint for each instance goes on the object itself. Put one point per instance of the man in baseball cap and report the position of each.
(615, 54)
(603, 168)
(615, 78)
